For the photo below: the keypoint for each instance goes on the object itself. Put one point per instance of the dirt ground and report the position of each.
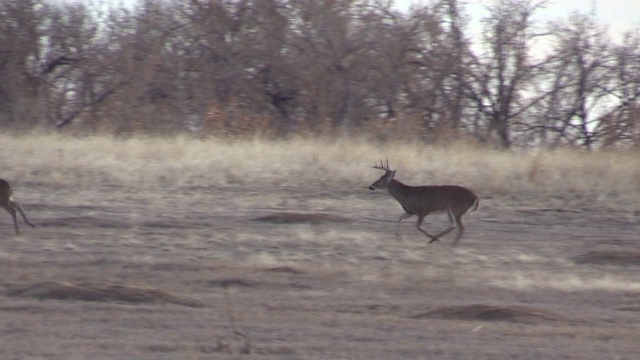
(145, 273)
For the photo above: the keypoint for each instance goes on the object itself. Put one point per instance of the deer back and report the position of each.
(422, 200)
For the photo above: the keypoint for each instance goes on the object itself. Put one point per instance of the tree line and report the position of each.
(278, 68)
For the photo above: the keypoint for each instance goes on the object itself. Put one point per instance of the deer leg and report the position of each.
(443, 233)
(447, 230)
(12, 212)
(19, 208)
(402, 217)
(460, 226)
(418, 223)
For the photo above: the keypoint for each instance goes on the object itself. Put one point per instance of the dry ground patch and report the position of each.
(200, 249)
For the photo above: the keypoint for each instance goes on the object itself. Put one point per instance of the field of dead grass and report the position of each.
(165, 248)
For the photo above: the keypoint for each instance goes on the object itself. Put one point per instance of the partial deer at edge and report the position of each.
(7, 202)
(423, 200)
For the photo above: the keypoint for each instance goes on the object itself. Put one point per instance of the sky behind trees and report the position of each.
(619, 15)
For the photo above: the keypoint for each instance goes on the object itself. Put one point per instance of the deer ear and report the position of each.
(391, 174)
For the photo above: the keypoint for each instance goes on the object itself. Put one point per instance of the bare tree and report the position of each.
(620, 125)
(580, 72)
(500, 76)
(21, 61)
(231, 67)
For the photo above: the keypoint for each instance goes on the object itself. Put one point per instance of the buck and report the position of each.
(423, 200)
(7, 202)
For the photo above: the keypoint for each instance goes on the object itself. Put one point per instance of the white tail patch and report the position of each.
(474, 207)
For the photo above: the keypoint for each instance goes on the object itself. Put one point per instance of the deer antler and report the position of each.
(382, 166)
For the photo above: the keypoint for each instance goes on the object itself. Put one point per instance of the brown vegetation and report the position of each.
(147, 248)
(620, 258)
(297, 218)
(484, 312)
(52, 290)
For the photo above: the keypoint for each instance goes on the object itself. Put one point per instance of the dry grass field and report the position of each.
(178, 248)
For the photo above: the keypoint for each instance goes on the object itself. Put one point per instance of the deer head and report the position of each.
(384, 179)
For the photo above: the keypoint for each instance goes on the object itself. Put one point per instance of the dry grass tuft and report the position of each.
(299, 218)
(99, 293)
(232, 282)
(335, 164)
(482, 312)
(620, 258)
(284, 269)
(630, 308)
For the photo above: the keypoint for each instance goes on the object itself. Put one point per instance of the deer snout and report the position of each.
(371, 188)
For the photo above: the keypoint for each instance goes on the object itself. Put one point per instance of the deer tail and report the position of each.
(475, 205)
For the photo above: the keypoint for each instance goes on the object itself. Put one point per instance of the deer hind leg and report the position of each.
(447, 230)
(418, 223)
(460, 226)
(402, 217)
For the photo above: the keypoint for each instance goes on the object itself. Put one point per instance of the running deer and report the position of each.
(423, 200)
(10, 205)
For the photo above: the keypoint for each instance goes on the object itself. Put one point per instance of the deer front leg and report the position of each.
(12, 212)
(447, 230)
(402, 217)
(418, 223)
(441, 234)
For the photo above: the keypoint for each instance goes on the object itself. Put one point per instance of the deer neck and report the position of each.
(398, 190)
